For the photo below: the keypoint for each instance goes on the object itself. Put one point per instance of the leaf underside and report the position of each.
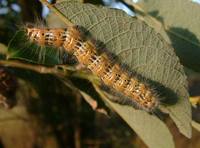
(142, 49)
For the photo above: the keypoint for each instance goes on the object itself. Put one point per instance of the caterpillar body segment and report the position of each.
(73, 39)
(44, 37)
(111, 73)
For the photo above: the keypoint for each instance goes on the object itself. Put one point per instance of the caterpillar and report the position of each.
(86, 53)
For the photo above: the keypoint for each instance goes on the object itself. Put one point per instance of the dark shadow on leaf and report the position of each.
(185, 43)
(188, 52)
(166, 95)
(155, 14)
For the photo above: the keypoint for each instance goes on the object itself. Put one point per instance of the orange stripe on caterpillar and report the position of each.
(86, 53)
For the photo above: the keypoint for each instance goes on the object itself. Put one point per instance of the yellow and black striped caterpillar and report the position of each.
(111, 73)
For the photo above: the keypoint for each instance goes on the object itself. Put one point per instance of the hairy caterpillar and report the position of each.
(99, 64)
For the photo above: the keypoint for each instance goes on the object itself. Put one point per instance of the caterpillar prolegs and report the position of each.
(86, 52)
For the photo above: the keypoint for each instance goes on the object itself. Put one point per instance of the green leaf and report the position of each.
(20, 48)
(138, 46)
(180, 20)
(141, 48)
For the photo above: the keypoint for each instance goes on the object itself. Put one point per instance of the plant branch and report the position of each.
(58, 70)
(36, 68)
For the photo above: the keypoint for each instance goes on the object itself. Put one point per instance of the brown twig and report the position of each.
(36, 68)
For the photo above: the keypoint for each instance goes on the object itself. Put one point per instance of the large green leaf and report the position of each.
(181, 22)
(142, 49)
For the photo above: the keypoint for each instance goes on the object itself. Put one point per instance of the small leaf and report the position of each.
(181, 26)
